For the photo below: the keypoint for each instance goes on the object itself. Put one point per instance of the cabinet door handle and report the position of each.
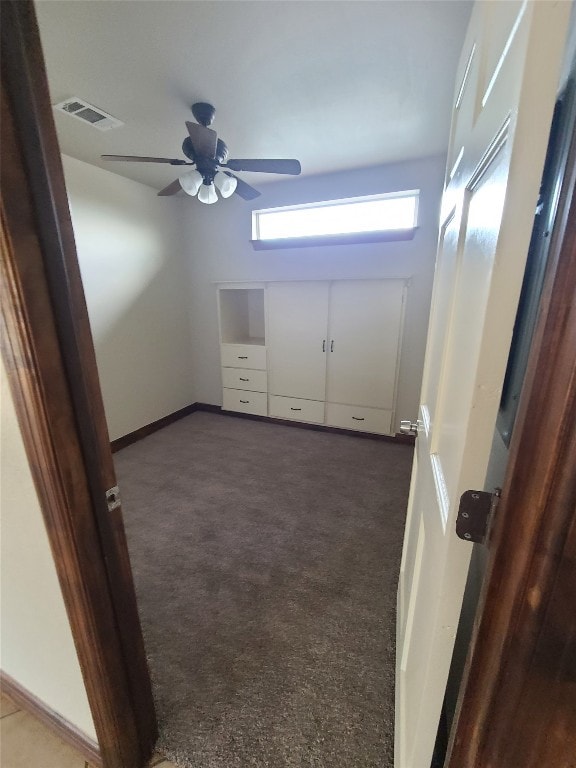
(323, 345)
(242, 357)
(245, 401)
(332, 346)
(295, 409)
(241, 379)
(356, 418)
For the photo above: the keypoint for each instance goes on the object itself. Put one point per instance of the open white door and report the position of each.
(505, 92)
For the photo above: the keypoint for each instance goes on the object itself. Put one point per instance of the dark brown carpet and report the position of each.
(266, 562)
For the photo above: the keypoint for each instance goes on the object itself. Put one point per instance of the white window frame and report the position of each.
(384, 233)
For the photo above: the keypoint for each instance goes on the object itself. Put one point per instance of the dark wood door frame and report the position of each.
(49, 355)
(517, 702)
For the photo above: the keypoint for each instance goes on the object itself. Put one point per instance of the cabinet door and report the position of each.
(297, 333)
(364, 337)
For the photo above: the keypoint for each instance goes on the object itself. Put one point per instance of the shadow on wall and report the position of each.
(145, 372)
(119, 258)
(136, 285)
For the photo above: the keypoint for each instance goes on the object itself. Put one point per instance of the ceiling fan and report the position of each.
(209, 154)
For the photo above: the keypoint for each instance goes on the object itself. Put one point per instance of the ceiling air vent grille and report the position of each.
(88, 113)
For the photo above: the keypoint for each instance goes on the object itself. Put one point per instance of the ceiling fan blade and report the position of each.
(171, 189)
(265, 166)
(245, 191)
(203, 140)
(138, 159)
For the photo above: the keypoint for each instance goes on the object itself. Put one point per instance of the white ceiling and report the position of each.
(336, 84)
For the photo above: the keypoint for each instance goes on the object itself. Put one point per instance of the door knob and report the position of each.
(409, 427)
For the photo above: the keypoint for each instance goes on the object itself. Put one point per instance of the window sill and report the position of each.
(390, 235)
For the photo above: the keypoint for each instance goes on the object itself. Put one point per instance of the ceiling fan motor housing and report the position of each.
(207, 166)
(204, 113)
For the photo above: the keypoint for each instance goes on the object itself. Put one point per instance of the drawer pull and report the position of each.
(332, 346)
(295, 409)
(242, 357)
(323, 345)
(245, 401)
(241, 379)
(356, 418)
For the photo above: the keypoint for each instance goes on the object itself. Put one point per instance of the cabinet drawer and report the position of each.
(245, 402)
(242, 378)
(364, 419)
(294, 408)
(243, 356)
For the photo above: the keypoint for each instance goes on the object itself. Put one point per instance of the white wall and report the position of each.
(219, 250)
(36, 639)
(135, 280)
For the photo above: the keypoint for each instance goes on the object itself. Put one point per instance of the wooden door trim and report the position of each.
(523, 640)
(49, 354)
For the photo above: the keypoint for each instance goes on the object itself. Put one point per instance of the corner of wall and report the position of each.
(32, 606)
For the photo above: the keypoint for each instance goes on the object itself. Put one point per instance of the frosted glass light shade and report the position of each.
(191, 182)
(207, 194)
(226, 184)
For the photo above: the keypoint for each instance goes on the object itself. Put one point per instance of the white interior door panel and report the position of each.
(504, 97)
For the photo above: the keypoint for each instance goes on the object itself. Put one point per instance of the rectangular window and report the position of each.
(386, 213)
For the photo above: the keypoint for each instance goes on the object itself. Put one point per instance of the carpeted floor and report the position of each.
(266, 560)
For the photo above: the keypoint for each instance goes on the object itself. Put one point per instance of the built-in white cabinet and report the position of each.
(243, 378)
(314, 351)
(245, 402)
(298, 333)
(282, 407)
(364, 322)
(243, 356)
(242, 318)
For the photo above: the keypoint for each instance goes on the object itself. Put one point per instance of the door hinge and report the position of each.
(113, 498)
(475, 514)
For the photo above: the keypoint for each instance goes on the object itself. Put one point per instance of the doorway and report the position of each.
(126, 763)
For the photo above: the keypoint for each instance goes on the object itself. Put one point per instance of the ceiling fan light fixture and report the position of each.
(207, 194)
(226, 184)
(204, 150)
(191, 182)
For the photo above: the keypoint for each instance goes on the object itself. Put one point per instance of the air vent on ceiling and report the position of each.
(88, 113)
